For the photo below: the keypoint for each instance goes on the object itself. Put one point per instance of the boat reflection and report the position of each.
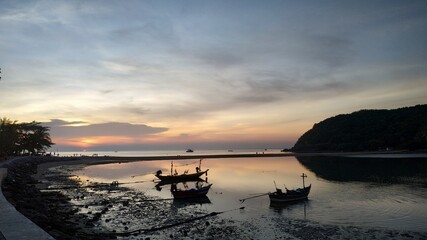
(196, 182)
(383, 170)
(282, 208)
(186, 189)
(185, 202)
(199, 190)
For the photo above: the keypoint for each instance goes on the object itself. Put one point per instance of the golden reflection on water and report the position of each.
(236, 174)
(255, 174)
(330, 201)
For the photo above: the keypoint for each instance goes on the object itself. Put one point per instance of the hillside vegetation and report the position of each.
(368, 130)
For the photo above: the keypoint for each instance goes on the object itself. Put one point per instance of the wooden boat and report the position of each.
(290, 195)
(175, 177)
(180, 177)
(190, 193)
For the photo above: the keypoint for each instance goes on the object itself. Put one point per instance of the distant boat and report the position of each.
(175, 177)
(189, 150)
(280, 197)
(190, 193)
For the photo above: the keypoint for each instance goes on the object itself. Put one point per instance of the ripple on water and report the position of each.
(393, 206)
(382, 206)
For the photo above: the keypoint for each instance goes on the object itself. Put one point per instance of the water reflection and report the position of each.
(181, 203)
(344, 191)
(383, 170)
(282, 209)
(159, 185)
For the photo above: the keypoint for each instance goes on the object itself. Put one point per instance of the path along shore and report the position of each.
(14, 225)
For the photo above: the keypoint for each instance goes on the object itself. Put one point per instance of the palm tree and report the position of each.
(23, 138)
(8, 137)
(34, 138)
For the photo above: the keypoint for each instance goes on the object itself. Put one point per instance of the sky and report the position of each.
(145, 75)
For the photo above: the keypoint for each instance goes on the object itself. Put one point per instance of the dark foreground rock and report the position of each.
(68, 209)
(50, 209)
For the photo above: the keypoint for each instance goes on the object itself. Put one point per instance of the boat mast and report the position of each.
(172, 168)
(303, 182)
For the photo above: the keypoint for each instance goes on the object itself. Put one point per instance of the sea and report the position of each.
(147, 153)
(375, 191)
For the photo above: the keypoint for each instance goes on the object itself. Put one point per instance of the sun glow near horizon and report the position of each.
(201, 73)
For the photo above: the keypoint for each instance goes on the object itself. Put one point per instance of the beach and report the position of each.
(77, 212)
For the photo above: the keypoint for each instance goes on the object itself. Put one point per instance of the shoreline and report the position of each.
(94, 160)
(43, 163)
(90, 160)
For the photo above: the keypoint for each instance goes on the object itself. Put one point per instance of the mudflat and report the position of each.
(67, 209)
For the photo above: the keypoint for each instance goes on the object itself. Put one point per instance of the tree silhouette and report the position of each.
(23, 138)
(368, 130)
(9, 137)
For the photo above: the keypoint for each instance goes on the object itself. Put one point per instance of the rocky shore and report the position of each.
(68, 207)
(50, 210)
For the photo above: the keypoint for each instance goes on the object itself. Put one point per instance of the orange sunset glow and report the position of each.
(206, 81)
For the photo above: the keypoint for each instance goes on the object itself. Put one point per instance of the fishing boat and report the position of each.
(198, 191)
(293, 195)
(180, 177)
(175, 177)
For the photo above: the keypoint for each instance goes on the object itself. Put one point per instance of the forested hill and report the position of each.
(368, 130)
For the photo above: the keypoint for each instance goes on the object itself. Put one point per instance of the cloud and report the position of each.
(132, 67)
(218, 58)
(64, 129)
(333, 50)
(119, 67)
(61, 123)
(177, 63)
(287, 88)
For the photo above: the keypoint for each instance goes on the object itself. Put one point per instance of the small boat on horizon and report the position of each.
(280, 197)
(189, 150)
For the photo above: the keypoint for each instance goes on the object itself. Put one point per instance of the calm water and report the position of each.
(390, 193)
(169, 152)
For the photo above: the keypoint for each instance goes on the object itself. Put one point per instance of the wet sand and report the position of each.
(84, 212)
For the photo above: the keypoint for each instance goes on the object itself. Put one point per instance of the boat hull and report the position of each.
(181, 177)
(289, 196)
(192, 193)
